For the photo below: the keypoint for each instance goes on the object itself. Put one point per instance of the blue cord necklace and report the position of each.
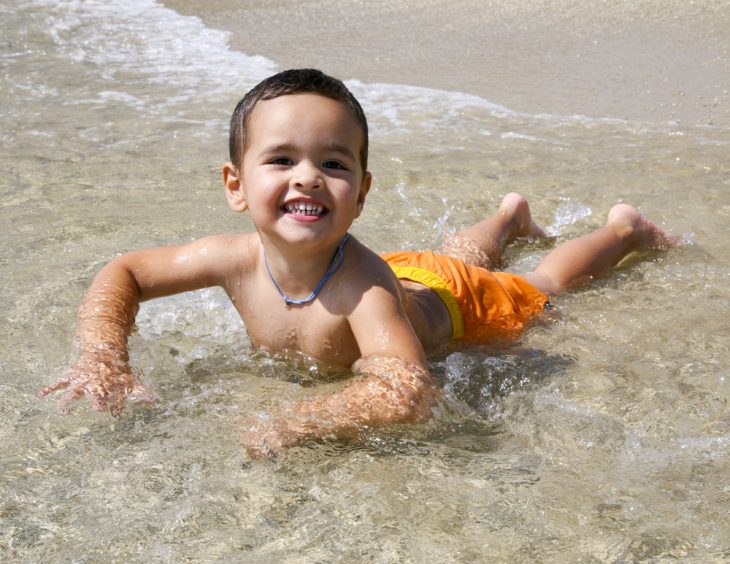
(336, 263)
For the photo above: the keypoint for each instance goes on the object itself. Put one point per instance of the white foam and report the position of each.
(567, 214)
(196, 323)
(391, 107)
(145, 39)
(138, 43)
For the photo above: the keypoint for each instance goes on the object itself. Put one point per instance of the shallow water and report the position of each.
(603, 435)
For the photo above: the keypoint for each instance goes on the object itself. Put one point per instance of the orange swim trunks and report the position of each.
(483, 305)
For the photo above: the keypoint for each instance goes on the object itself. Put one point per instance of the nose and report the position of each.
(307, 176)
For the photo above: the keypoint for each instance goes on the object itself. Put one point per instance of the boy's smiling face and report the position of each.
(301, 175)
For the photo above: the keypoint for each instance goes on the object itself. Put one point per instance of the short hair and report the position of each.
(294, 81)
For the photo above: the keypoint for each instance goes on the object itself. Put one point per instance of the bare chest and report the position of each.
(309, 328)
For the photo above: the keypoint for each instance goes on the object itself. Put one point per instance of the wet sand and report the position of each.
(644, 60)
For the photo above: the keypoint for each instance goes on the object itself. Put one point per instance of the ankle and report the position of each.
(517, 217)
(640, 232)
(626, 233)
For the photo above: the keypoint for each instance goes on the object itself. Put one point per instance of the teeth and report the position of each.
(304, 208)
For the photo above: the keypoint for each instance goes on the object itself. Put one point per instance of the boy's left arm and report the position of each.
(392, 384)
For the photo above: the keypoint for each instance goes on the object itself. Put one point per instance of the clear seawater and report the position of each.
(602, 436)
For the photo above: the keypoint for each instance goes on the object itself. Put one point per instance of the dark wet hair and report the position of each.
(294, 81)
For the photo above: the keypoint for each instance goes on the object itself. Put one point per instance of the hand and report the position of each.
(266, 435)
(105, 378)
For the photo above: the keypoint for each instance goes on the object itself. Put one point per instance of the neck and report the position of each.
(334, 264)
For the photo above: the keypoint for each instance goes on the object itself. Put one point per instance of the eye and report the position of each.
(281, 161)
(335, 165)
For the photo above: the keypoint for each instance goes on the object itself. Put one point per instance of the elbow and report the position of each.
(396, 391)
(412, 403)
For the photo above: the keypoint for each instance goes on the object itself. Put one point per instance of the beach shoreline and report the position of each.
(602, 435)
(647, 61)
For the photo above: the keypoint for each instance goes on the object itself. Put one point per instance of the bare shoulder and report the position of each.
(365, 272)
(209, 261)
(376, 313)
(241, 247)
(228, 255)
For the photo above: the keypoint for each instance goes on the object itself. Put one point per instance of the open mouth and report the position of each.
(307, 209)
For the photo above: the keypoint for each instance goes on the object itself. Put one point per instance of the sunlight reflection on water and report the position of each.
(603, 434)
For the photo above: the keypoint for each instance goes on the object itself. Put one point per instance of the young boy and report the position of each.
(298, 149)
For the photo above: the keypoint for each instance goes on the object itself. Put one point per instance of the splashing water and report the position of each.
(567, 214)
(601, 436)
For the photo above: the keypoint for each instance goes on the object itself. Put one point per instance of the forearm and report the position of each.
(386, 391)
(107, 312)
(105, 318)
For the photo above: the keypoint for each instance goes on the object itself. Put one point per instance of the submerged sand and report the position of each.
(660, 60)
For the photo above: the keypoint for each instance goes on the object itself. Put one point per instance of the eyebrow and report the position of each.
(331, 147)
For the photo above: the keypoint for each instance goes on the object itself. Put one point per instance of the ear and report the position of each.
(234, 188)
(364, 189)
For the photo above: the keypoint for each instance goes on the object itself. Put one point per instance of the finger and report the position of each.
(74, 394)
(60, 384)
(116, 407)
(142, 393)
(261, 446)
(262, 452)
(98, 404)
(251, 444)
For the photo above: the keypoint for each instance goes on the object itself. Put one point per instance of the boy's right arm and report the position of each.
(392, 384)
(106, 314)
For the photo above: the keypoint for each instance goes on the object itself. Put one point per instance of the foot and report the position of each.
(647, 235)
(515, 206)
(482, 244)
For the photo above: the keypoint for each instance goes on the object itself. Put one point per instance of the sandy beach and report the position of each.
(644, 60)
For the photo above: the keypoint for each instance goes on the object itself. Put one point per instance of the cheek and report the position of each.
(266, 188)
(344, 188)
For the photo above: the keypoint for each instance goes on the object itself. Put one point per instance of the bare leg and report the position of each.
(483, 243)
(577, 262)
